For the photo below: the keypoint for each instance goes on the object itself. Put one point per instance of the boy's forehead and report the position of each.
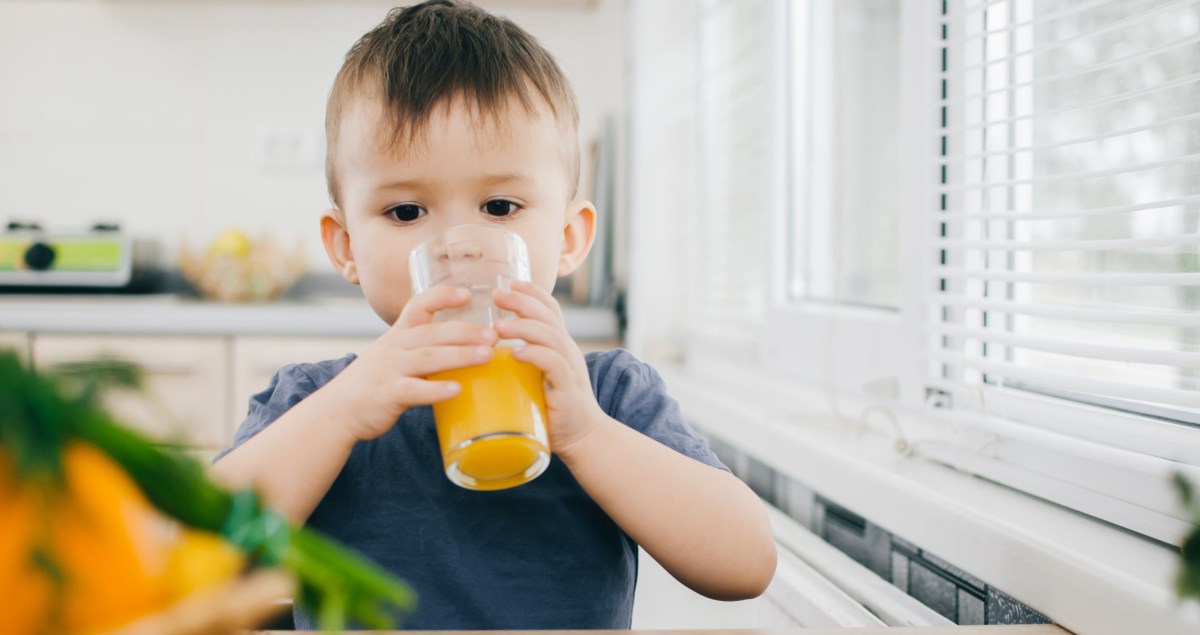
(368, 128)
(367, 149)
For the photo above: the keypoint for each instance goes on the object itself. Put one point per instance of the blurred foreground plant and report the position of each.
(1187, 582)
(46, 417)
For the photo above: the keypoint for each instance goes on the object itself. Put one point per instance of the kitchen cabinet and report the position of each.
(255, 360)
(184, 397)
(196, 388)
(17, 341)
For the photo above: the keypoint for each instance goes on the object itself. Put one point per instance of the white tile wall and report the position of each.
(154, 113)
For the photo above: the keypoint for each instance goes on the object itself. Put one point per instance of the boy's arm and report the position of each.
(294, 460)
(702, 524)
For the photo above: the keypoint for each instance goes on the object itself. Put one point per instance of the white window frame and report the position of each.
(857, 351)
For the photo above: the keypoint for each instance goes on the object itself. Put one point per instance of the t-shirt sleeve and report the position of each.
(288, 387)
(633, 393)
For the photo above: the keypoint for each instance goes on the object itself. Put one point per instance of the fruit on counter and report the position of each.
(231, 242)
(93, 554)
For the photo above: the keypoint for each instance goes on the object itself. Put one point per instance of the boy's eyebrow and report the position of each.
(399, 185)
(487, 179)
(504, 177)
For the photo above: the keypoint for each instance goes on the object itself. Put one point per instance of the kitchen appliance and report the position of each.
(102, 259)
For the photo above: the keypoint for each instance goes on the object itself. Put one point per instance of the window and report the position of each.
(982, 214)
(846, 133)
(738, 109)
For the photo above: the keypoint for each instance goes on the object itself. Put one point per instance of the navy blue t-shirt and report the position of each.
(538, 556)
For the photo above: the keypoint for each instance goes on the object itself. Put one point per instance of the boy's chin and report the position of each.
(388, 314)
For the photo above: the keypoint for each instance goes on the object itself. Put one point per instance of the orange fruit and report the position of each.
(120, 558)
(112, 545)
(200, 560)
(27, 590)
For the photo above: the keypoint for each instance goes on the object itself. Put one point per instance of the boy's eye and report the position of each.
(406, 213)
(500, 207)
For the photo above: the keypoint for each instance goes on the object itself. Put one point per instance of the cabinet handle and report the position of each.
(147, 369)
(153, 368)
(168, 369)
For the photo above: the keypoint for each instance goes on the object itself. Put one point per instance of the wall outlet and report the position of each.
(289, 150)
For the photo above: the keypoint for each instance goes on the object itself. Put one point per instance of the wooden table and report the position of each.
(1021, 629)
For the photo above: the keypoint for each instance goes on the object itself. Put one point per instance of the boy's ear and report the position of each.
(337, 244)
(578, 235)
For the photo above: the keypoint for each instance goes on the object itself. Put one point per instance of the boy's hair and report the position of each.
(422, 56)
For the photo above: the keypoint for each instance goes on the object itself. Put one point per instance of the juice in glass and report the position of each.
(493, 434)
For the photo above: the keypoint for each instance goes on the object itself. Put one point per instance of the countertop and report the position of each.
(181, 314)
(1019, 629)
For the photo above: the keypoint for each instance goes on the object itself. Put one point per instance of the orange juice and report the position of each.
(493, 434)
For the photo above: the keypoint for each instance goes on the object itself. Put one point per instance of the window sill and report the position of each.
(1086, 575)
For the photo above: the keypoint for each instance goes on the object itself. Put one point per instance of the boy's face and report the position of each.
(460, 169)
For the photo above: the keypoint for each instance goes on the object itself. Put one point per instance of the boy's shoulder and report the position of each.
(614, 361)
(312, 374)
(620, 367)
(620, 381)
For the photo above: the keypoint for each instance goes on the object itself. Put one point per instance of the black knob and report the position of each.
(39, 256)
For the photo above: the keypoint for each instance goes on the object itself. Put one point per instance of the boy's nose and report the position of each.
(461, 251)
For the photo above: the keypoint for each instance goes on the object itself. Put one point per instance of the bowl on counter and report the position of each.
(237, 268)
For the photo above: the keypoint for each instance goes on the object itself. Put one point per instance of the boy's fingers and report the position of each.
(541, 295)
(420, 309)
(435, 359)
(533, 332)
(422, 392)
(525, 305)
(445, 333)
(551, 362)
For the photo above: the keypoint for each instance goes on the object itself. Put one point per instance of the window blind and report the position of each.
(1067, 219)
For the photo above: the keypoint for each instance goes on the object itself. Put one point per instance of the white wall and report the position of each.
(663, 154)
(157, 114)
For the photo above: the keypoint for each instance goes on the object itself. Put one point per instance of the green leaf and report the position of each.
(1187, 581)
(1186, 492)
(30, 412)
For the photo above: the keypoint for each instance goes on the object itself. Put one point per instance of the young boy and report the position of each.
(446, 115)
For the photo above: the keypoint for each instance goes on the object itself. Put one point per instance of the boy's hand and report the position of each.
(570, 402)
(389, 376)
